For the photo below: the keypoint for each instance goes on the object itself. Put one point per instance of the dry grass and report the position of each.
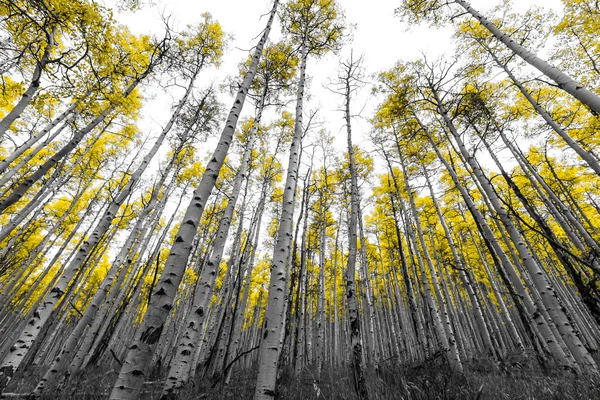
(428, 382)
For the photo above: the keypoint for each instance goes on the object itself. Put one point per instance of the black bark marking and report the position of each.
(151, 335)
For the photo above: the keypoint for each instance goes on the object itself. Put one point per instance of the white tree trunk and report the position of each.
(136, 365)
(564, 81)
(271, 343)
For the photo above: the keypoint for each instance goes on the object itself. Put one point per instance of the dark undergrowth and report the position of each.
(406, 383)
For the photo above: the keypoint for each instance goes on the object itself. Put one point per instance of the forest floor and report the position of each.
(415, 383)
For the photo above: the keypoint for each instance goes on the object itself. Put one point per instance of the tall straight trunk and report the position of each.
(408, 286)
(136, 365)
(589, 298)
(29, 156)
(239, 320)
(564, 81)
(291, 325)
(178, 373)
(445, 332)
(335, 328)
(138, 239)
(52, 184)
(321, 287)
(36, 256)
(64, 357)
(301, 291)
(34, 85)
(274, 319)
(369, 314)
(96, 341)
(30, 333)
(35, 138)
(351, 297)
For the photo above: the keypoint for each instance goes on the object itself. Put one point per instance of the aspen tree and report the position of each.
(417, 10)
(11, 362)
(315, 27)
(204, 290)
(135, 367)
(349, 81)
(445, 333)
(547, 292)
(479, 319)
(28, 182)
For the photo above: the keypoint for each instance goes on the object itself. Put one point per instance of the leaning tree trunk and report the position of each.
(547, 292)
(581, 152)
(564, 81)
(42, 314)
(136, 365)
(28, 182)
(546, 334)
(36, 138)
(34, 85)
(479, 319)
(65, 355)
(445, 331)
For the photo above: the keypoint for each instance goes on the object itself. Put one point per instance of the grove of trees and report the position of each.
(455, 223)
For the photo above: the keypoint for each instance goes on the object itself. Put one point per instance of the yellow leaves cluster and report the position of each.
(10, 92)
(316, 24)
(202, 43)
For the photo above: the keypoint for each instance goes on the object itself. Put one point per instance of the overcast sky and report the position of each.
(378, 34)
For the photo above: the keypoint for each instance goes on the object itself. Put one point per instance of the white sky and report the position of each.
(380, 36)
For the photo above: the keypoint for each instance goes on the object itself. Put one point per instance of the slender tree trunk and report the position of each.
(564, 81)
(34, 85)
(135, 368)
(30, 180)
(64, 116)
(584, 154)
(483, 331)
(271, 343)
(547, 293)
(178, 372)
(351, 298)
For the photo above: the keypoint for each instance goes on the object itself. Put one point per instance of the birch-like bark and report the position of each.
(274, 319)
(178, 373)
(581, 152)
(30, 180)
(237, 329)
(589, 299)
(408, 286)
(64, 356)
(321, 284)
(301, 292)
(36, 138)
(450, 352)
(351, 298)
(546, 291)
(547, 335)
(30, 333)
(34, 85)
(29, 156)
(136, 365)
(564, 81)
